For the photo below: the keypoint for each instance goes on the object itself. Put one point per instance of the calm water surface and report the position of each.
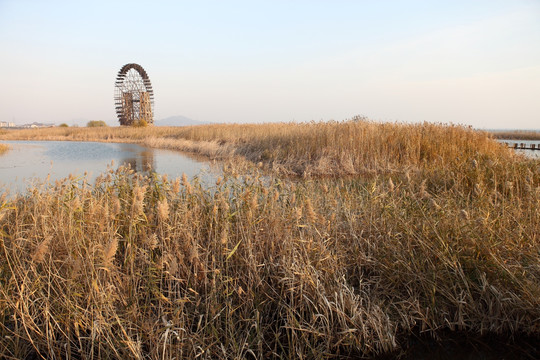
(29, 161)
(529, 153)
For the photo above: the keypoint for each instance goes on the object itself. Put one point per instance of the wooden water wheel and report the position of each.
(133, 96)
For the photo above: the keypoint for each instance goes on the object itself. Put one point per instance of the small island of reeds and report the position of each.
(323, 240)
(3, 148)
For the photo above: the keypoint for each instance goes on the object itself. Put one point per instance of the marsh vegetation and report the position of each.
(517, 135)
(306, 149)
(3, 148)
(319, 240)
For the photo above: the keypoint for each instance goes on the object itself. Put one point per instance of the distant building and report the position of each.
(7, 124)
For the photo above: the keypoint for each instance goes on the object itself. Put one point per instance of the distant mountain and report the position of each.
(178, 120)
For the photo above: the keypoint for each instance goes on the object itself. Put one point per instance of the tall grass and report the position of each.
(517, 135)
(313, 149)
(3, 148)
(439, 234)
(258, 267)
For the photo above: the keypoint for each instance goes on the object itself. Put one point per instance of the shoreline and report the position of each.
(516, 134)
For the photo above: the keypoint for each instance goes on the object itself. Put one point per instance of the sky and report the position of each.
(470, 62)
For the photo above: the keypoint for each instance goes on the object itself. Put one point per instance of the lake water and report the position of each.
(28, 161)
(528, 143)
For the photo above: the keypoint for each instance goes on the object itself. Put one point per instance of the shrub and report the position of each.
(96, 123)
(141, 123)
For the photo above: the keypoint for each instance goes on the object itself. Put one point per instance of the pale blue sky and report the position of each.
(468, 62)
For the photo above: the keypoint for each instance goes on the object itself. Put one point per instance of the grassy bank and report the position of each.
(517, 135)
(333, 149)
(429, 241)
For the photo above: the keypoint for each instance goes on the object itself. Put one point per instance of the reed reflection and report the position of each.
(142, 161)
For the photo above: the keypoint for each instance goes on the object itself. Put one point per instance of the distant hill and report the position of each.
(178, 120)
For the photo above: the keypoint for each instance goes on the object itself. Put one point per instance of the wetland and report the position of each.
(344, 239)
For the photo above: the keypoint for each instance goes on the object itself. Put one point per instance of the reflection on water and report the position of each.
(143, 163)
(28, 161)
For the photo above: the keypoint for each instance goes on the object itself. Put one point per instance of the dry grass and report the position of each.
(314, 149)
(3, 148)
(517, 135)
(265, 267)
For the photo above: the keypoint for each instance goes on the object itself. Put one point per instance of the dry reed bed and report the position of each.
(313, 149)
(269, 268)
(3, 148)
(517, 135)
(441, 236)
